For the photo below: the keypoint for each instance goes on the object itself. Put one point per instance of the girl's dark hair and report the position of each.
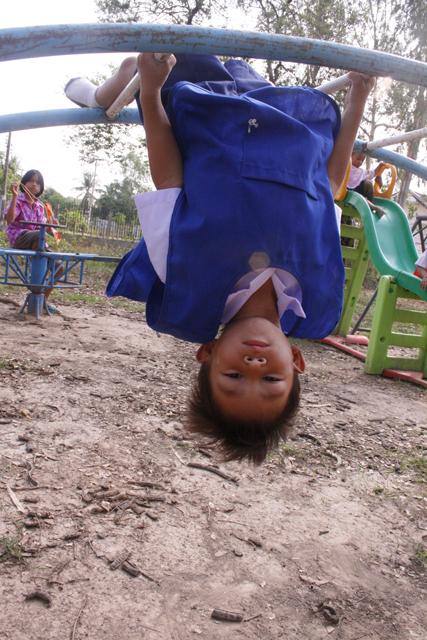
(238, 439)
(33, 173)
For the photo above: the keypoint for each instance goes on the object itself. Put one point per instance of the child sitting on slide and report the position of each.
(360, 179)
(241, 233)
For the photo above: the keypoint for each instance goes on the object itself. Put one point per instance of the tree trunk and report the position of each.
(414, 145)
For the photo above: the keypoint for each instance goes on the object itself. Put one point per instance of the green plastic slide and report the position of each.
(390, 242)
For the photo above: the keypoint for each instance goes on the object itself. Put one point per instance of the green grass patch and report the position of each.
(288, 450)
(70, 297)
(420, 466)
(421, 555)
(12, 363)
(128, 305)
(417, 464)
(10, 549)
(95, 298)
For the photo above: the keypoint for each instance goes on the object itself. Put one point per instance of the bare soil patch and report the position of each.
(106, 532)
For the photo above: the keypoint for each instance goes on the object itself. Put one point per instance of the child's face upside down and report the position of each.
(251, 369)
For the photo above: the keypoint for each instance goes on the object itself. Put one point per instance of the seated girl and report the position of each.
(25, 206)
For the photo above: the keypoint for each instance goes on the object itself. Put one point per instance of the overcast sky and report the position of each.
(38, 84)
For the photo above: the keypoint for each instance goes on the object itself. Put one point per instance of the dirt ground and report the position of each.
(326, 539)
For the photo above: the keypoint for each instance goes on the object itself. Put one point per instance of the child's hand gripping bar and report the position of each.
(126, 96)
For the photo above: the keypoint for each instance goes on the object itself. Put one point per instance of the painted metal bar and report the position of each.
(56, 40)
(63, 117)
(58, 255)
(12, 269)
(397, 139)
(399, 161)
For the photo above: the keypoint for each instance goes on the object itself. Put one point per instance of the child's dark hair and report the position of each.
(33, 173)
(238, 439)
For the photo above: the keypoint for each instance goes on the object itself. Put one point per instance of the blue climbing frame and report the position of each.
(56, 40)
(38, 269)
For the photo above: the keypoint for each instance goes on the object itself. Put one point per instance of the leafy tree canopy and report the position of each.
(58, 202)
(175, 11)
(116, 199)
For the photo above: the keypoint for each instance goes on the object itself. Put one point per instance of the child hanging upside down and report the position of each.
(241, 233)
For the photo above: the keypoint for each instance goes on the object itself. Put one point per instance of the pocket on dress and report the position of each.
(279, 148)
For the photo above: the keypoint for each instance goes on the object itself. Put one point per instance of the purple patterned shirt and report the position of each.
(27, 212)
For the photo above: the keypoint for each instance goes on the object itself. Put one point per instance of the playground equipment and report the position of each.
(386, 191)
(402, 137)
(37, 270)
(97, 38)
(388, 241)
(54, 40)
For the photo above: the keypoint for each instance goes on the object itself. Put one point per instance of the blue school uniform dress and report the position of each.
(256, 189)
